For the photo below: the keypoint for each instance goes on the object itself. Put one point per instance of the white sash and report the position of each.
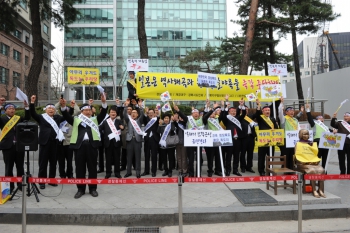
(234, 121)
(59, 133)
(63, 127)
(181, 126)
(136, 127)
(115, 133)
(90, 123)
(162, 141)
(104, 119)
(150, 123)
(346, 125)
(215, 123)
(322, 125)
(193, 124)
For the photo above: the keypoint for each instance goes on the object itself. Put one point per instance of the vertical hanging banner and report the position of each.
(83, 76)
(277, 69)
(186, 87)
(137, 64)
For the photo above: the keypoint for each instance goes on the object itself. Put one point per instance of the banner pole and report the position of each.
(300, 207)
(83, 94)
(180, 181)
(24, 203)
(198, 162)
(222, 163)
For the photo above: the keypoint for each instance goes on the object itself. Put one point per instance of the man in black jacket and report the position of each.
(85, 141)
(151, 141)
(8, 141)
(112, 142)
(131, 85)
(49, 136)
(265, 122)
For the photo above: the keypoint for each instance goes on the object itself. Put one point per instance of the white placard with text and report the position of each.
(195, 138)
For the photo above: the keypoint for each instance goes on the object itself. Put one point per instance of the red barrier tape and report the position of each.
(327, 177)
(174, 179)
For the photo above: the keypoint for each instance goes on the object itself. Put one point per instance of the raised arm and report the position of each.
(103, 111)
(65, 113)
(309, 116)
(33, 113)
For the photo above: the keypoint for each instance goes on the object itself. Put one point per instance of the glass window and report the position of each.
(16, 79)
(4, 75)
(23, 4)
(18, 34)
(46, 29)
(4, 49)
(291, 75)
(16, 55)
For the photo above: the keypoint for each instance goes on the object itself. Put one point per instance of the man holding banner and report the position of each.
(319, 127)
(265, 122)
(233, 122)
(288, 123)
(343, 127)
(85, 141)
(8, 141)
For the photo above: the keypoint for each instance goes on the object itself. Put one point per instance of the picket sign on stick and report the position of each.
(331, 141)
(222, 163)
(341, 104)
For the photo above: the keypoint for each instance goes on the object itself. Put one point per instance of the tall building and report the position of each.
(105, 35)
(341, 46)
(16, 54)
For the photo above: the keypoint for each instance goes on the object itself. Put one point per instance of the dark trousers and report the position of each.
(168, 155)
(151, 152)
(229, 153)
(47, 154)
(12, 157)
(341, 157)
(211, 153)
(64, 153)
(123, 158)
(289, 153)
(86, 156)
(112, 157)
(250, 151)
(133, 147)
(322, 153)
(191, 155)
(101, 159)
(262, 152)
(242, 149)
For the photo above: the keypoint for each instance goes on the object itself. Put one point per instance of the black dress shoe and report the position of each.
(153, 174)
(54, 185)
(138, 176)
(79, 194)
(42, 186)
(127, 175)
(210, 174)
(118, 175)
(237, 173)
(165, 174)
(107, 176)
(262, 173)
(218, 173)
(243, 170)
(145, 174)
(100, 171)
(227, 173)
(94, 193)
(250, 170)
(170, 174)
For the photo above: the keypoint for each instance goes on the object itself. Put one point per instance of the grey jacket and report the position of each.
(130, 129)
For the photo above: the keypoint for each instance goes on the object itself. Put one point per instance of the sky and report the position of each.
(342, 24)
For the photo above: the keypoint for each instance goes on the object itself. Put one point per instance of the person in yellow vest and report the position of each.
(8, 141)
(289, 123)
(85, 141)
(343, 126)
(319, 127)
(308, 162)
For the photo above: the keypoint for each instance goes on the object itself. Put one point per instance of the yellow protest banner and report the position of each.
(270, 137)
(185, 86)
(83, 76)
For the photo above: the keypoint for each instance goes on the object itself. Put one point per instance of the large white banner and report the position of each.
(137, 64)
(330, 140)
(195, 138)
(292, 137)
(277, 69)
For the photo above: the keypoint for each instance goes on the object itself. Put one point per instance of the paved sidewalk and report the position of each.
(147, 204)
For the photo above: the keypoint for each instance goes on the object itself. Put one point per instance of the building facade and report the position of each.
(106, 35)
(16, 54)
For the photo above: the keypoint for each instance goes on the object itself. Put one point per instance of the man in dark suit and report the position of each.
(85, 141)
(112, 142)
(265, 122)
(49, 136)
(134, 138)
(151, 141)
(8, 141)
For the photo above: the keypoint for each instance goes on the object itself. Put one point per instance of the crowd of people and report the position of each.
(116, 137)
